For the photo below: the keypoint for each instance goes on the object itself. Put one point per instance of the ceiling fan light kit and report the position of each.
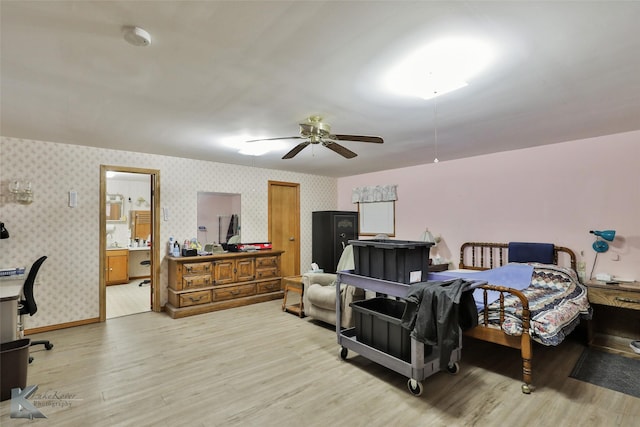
(316, 131)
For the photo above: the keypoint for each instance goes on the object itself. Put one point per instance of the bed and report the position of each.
(545, 310)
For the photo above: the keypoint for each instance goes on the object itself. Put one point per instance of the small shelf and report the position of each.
(614, 344)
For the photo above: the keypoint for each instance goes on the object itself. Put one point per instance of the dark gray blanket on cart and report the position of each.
(436, 312)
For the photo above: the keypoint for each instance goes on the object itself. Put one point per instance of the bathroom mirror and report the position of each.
(114, 208)
(218, 217)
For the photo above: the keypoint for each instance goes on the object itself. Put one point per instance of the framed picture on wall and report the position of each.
(377, 218)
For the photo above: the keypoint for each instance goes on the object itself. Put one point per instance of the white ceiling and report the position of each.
(246, 69)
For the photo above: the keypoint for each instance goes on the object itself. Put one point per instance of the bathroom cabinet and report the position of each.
(200, 284)
(117, 266)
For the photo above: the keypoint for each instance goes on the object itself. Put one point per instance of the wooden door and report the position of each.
(284, 224)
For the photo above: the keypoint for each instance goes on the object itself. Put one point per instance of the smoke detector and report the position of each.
(136, 36)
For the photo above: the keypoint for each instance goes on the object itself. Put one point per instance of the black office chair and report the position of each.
(28, 304)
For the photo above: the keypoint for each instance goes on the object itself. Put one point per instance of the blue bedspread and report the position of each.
(516, 276)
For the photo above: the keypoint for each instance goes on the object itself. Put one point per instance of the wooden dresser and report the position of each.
(201, 284)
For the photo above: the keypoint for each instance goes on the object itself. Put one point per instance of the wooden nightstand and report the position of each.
(293, 284)
(616, 316)
(436, 268)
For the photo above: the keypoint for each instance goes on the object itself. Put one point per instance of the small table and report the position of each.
(293, 284)
(616, 317)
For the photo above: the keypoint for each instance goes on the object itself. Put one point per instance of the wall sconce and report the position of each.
(21, 191)
(600, 245)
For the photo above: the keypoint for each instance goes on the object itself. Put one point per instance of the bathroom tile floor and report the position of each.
(129, 298)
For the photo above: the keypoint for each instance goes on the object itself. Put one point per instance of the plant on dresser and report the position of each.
(202, 284)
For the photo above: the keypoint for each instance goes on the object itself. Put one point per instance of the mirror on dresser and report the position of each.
(218, 217)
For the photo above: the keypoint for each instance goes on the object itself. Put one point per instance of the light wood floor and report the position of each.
(129, 298)
(258, 366)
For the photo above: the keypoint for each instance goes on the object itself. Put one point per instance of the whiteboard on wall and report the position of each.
(377, 218)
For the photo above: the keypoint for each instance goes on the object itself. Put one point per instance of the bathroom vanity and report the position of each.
(124, 264)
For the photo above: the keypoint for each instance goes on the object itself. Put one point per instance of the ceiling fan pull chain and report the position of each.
(435, 125)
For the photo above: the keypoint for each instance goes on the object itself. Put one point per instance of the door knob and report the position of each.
(291, 239)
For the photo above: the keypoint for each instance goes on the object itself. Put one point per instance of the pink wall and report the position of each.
(554, 193)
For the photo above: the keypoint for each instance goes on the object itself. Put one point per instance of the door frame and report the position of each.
(155, 234)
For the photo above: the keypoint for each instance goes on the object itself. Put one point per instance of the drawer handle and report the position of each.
(196, 299)
(188, 268)
(206, 281)
(207, 268)
(235, 292)
(631, 300)
(189, 283)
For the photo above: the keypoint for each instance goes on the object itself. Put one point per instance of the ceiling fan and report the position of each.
(315, 131)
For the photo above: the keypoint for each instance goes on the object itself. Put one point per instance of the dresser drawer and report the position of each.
(266, 273)
(267, 261)
(615, 298)
(196, 268)
(270, 286)
(230, 292)
(191, 282)
(190, 298)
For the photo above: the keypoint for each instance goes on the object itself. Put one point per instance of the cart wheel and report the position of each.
(415, 387)
(48, 346)
(343, 353)
(453, 368)
(527, 388)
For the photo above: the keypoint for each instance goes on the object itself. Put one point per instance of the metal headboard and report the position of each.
(491, 255)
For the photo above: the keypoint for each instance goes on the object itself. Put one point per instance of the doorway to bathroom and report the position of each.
(129, 223)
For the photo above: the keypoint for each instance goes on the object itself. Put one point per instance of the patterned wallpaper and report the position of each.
(68, 288)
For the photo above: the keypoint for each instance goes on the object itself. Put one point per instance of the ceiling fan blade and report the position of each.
(359, 138)
(298, 148)
(274, 139)
(344, 152)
